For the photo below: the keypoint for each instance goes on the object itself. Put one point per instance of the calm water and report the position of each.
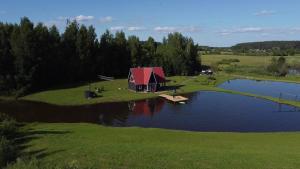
(294, 72)
(288, 91)
(205, 111)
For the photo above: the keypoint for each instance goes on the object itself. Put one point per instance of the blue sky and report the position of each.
(208, 22)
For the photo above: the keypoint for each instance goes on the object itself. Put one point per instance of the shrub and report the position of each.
(8, 128)
(7, 151)
(228, 61)
(230, 69)
(278, 66)
(211, 78)
(214, 67)
(36, 164)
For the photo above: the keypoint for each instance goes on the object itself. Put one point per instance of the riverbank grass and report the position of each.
(117, 90)
(111, 147)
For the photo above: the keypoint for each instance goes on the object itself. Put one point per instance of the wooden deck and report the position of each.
(174, 98)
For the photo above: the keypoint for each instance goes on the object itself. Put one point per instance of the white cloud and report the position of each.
(170, 29)
(165, 29)
(226, 32)
(117, 28)
(260, 31)
(249, 30)
(106, 19)
(265, 13)
(136, 28)
(83, 18)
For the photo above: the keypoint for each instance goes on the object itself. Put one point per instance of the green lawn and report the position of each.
(90, 145)
(249, 67)
(107, 147)
(117, 91)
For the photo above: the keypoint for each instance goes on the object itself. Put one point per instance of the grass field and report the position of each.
(107, 147)
(96, 146)
(117, 91)
(246, 60)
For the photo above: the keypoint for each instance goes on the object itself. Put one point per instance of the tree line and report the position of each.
(268, 48)
(34, 57)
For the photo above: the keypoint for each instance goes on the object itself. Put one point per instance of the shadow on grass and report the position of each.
(25, 137)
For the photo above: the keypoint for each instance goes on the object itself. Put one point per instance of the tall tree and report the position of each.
(6, 59)
(23, 48)
(71, 58)
(135, 51)
(149, 52)
(106, 52)
(121, 55)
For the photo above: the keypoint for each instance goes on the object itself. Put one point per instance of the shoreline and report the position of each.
(189, 88)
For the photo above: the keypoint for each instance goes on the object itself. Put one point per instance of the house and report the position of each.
(148, 79)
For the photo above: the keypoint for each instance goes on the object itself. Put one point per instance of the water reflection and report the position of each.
(205, 111)
(146, 107)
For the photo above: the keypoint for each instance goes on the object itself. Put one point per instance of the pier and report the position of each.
(174, 98)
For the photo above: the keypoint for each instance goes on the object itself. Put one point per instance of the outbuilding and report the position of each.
(149, 79)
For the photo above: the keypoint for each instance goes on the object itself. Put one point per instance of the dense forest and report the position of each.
(266, 48)
(34, 57)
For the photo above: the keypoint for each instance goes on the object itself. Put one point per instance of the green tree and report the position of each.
(23, 48)
(86, 49)
(6, 59)
(149, 53)
(105, 60)
(135, 51)
(121, 57)
(71, 59)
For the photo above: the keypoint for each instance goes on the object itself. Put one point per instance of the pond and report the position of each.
(294, 72)
(283, 90)
(205, 111)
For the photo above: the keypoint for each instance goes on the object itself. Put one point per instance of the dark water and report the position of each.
(205, 111)
(284, 90)
(294, 72)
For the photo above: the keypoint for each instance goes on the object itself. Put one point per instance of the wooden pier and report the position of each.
(174, 98)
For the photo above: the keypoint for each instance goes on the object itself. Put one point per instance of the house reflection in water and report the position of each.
(146, 107)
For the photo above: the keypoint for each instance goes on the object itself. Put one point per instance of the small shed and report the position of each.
(149, 79)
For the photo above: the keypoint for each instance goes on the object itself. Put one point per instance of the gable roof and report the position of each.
(142, 75)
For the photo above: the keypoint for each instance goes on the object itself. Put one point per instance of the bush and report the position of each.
(278, 66)
(214, 67)
(24, 164)
(36, 164)
(228, 61)
(7, 151)
(211, 78)
(230, 69)
(8, 128)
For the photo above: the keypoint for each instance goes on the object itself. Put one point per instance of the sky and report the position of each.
(217, 23)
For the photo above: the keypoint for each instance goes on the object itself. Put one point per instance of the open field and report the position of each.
(245, 60)
(107, 147)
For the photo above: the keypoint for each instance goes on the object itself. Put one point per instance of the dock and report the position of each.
(174, 98)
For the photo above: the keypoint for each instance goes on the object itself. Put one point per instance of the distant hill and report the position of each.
(267, 45)
(276, 48)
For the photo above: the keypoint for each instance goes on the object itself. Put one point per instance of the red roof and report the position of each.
(144, 108)
(142, 75)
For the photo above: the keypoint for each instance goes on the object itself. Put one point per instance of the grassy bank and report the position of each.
(116, 90)
(107, 147)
